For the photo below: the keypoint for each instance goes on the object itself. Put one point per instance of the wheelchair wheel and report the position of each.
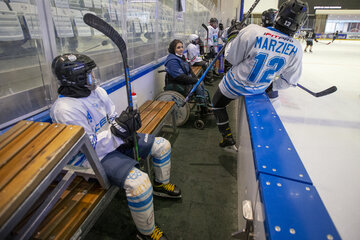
(199, 124)
(181, 113)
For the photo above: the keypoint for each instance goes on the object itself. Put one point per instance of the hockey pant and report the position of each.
(219, 106)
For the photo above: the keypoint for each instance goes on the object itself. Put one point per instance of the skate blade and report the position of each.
(231, 149)
(164, 195)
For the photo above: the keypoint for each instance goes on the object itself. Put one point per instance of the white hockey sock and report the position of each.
(139, 191)
(161, 151)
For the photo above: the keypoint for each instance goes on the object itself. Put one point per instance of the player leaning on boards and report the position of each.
(257, 55)
(85, 104)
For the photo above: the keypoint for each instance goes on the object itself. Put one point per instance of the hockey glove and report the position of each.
(126, 125)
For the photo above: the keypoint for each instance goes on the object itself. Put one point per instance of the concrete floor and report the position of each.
(207, 177)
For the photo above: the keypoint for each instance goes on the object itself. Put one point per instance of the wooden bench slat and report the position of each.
(144, 106)
(41, 200)
(65, 206)
(147, 110)
(196, 69)
(13, 132)
(14, 193)
(22, 158)
(67, 228)
(151, 114)
(159, 116)
(21, 141)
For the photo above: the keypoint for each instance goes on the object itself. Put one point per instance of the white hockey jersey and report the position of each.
(94, 113)
(193, 53)
(258, 55)
(213, 37)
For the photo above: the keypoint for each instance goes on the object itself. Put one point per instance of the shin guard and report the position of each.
(140, 200)
(161, 151)
(222, 119)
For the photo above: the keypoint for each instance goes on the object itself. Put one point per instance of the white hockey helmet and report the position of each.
(193, 38)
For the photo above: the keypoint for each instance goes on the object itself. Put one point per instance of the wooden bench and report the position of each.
(32, 155)
(77, 206)
(197, 70)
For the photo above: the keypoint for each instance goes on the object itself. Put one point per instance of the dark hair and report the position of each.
(173, 44)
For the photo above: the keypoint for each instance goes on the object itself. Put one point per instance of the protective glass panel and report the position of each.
(73, 35)
(23, 88)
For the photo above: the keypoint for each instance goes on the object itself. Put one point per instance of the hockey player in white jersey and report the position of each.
(193, 57)
(257, 55)
(212, 38)
(83, 103)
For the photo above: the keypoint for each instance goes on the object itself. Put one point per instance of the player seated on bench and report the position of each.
(180, 77)
(85, 104)
(193, 57)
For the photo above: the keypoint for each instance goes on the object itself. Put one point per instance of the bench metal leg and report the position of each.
(94, 161)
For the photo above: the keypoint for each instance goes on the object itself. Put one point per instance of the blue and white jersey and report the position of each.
(259, 54)
(94, 113)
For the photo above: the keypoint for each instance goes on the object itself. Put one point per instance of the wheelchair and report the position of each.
(178, 93)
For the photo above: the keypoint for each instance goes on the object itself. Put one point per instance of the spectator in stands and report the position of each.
(112, 136)
(180, 73)
(193, 57)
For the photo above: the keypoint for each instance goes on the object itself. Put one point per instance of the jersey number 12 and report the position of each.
(267, 67)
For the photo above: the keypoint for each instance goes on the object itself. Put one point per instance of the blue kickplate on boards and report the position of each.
(294, 210)
(273, 150)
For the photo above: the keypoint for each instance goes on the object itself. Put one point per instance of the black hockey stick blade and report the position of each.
(319, 94)
(102, 26)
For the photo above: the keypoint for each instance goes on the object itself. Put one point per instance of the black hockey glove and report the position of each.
(126, 125)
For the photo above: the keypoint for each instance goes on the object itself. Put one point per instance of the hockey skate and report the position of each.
(166, 190)
(228, 143)
(157, 234)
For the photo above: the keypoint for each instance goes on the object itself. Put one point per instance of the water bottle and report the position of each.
(134, 100)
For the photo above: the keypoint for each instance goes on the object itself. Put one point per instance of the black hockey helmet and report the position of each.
(292, 15)
(268, 17)
(73, 69)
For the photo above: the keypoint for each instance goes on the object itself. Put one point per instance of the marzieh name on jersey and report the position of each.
(275, 45)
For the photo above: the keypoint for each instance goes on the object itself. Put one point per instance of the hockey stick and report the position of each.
(102, 26)
(207, 36)
(219, 53)
(319, 94)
